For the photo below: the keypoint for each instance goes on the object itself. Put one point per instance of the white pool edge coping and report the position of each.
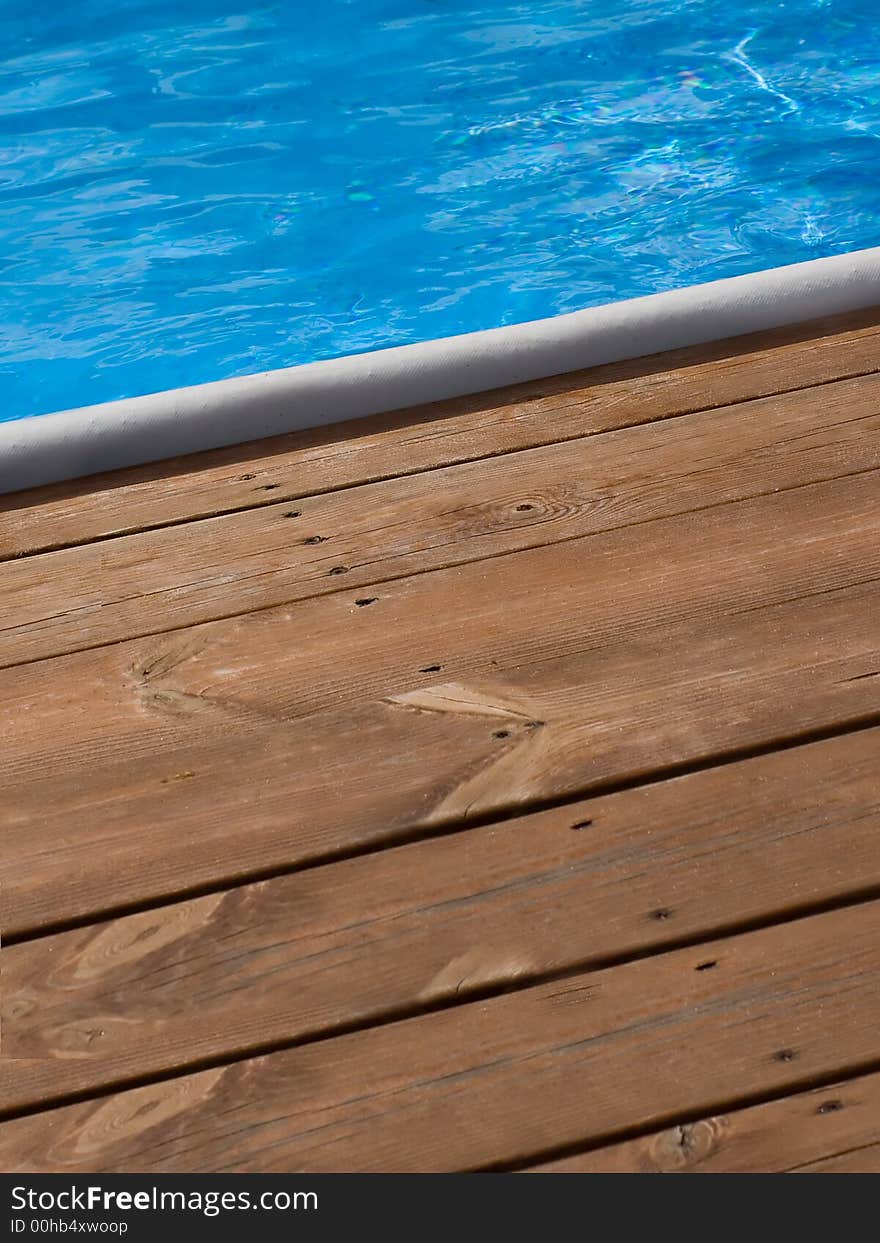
(73, 443)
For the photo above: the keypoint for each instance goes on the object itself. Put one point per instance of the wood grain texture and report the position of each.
(493, 1082)
(856, 1161)
(827, 1130)
(348, 943)
(182, 575)
(675, 589)
(540, 412)
(136, 772)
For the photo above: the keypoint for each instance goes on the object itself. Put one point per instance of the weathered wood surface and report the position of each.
(181, 575)
(355, 941)
(832, 1129)
(623, 744)
(493, 1082)
(856, 1161)
(462, 430)
(136, 771)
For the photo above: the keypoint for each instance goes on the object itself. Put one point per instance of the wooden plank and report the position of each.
(535, 605)
(495, 1082)
(137, 772)
(182, 575)
(355, 941)
(859, 1161)
(540, 412)
(830, 1129)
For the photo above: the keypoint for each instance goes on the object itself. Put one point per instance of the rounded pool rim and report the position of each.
(70, 444)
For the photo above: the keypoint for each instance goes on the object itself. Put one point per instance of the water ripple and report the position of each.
(192, 189)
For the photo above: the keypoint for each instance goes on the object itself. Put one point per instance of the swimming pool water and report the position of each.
(195, 189)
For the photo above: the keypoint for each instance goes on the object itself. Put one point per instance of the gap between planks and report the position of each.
(218, 568)
(688, 1033)
(355, 943)
(403, 442)
(830, 1129)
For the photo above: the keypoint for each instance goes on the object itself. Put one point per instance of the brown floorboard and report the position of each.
(830, 1129)
(494, 785)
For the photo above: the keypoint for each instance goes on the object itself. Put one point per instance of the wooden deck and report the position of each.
(489, 786)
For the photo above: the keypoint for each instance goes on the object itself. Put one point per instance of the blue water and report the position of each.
(194, 189)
